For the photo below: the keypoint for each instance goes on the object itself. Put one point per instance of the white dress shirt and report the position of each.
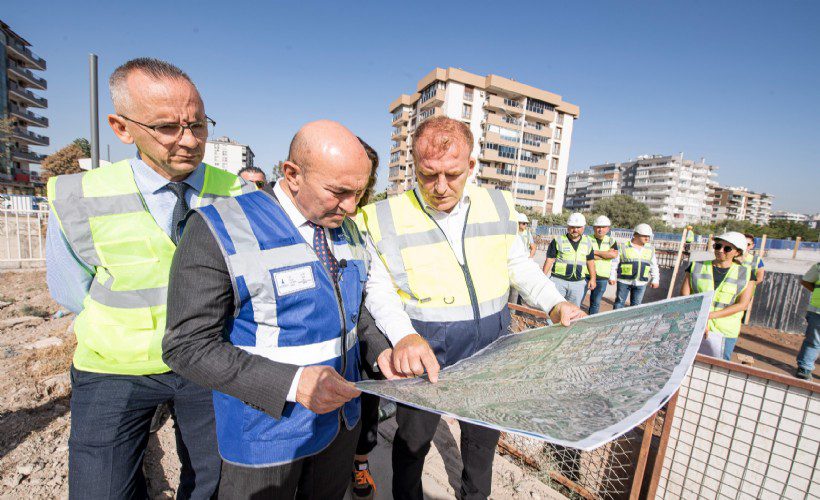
(307, 231)
(654, 273)
(382, 299)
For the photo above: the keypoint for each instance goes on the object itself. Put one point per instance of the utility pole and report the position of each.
(95, 112)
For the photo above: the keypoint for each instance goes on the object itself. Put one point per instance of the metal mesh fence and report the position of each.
(22, 235)
(741, 433)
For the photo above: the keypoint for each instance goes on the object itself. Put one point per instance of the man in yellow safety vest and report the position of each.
(112, 235)
(811, 344)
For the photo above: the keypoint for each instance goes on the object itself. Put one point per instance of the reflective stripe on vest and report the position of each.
(287, 309)
(571, 262)
(603, 267)
(106, 224)
(633, 263)
(726, 294)
(433, 286)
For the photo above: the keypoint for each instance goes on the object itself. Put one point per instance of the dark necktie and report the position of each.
(322, 249)
(180, 209)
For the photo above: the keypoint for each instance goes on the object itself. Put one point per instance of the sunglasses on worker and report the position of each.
(260, 184)
(723, 248)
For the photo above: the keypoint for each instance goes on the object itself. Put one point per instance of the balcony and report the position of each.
(27, 116)
(26, 156)
(492, 155)
(27, 76)
(498, 139)
(435, 99)
(402, 117)
(536, 146)
(543, 116)
(401, 146)
(26, 54)
(18, 93)
(399, 133)
(28, 137)
(505, 105)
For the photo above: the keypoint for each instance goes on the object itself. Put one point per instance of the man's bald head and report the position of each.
(339, 170)
(324, 138)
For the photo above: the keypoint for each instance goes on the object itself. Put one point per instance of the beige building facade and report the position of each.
(522, 134)
(738, 203)
(20, 107)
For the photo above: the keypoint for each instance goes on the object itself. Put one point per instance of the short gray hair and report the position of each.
(155, 68)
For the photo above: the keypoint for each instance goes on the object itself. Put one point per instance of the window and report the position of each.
(394, 157)
(430, 91)
(427, 113)
(468, 93)
(559, 120)
(558, 133)
(534, 140)
(537, 106)
(553, 178)
(505, 133)
(512, 103)
(551, 193)
(466, 111)
(553, 163)
(556, 148)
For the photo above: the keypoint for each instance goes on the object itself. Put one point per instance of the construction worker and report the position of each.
(525, 234)
(111, 238)
(273, 326)
(605, 248)
(752, 261)
(634, 267)
(690, 238)
(444, 258)
(529, 243)
(811, 344)
(729, 280)
(253, 175)
(571, 260)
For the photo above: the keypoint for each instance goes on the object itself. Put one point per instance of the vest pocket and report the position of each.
(126, 252)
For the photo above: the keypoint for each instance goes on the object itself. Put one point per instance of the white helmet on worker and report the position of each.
(523, 218)
(643, 230)
(736, 239)
(602, 221)
(576, 220)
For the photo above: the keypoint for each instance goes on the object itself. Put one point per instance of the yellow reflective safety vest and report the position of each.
(571, 263)
(736, 280)
(752, 262)
(814, 304)
(457, 308)
(602, 266)
(634, 263)
(105, 222)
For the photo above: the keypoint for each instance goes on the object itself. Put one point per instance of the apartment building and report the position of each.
(228, 154)
(577, 191)
(788, 216)
(20, 112)
(738, 203)
(675, 189)
(522, 133)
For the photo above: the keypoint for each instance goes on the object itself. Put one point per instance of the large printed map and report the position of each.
(579, 386)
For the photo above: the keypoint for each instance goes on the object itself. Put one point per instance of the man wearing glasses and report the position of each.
(112, 235)
(254, 176)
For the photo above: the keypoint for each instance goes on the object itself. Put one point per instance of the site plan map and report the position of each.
(579, 386)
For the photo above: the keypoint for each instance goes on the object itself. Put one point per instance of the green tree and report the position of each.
(6, 127)
(84, 145)
(623, 211)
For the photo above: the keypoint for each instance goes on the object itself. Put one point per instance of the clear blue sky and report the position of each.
(735, 82)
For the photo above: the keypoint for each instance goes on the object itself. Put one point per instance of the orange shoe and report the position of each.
(363, 485)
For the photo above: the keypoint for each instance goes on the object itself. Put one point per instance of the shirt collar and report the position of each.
(288, 206)
(463, 202)
(152, 182)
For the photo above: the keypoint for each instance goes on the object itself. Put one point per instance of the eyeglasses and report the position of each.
(170, 133)
(725, 248)
(260, 184)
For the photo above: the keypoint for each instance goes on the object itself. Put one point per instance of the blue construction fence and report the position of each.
(771, 244)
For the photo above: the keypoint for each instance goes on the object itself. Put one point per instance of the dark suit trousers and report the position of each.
(325, 475)
(415, 432)
(110, 419)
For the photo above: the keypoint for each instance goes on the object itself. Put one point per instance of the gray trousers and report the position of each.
(572, 291)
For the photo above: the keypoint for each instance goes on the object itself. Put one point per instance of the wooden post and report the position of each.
(762, 246)
(677, 262)
(709, 243)
(796, 246)
(640, 467)
(668, 416)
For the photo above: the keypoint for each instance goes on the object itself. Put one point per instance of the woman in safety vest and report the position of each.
(729, 280)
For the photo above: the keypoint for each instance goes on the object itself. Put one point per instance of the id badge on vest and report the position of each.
(294, 280)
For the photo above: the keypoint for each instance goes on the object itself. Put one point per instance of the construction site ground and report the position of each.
(35, 352)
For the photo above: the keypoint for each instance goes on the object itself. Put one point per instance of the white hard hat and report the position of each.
(736, 239)
(576, 220)
(643, 230)
(523, 218)
(602, 221)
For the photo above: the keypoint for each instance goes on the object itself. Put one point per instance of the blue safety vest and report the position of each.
(287, 309)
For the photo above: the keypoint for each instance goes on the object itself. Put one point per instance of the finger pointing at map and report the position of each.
(566, 312)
